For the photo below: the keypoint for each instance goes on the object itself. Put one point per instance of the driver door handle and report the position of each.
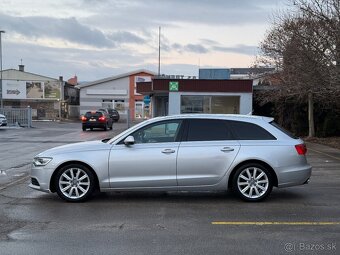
(227, 149)
(168, 151)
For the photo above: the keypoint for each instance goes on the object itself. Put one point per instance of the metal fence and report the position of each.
(18, 116)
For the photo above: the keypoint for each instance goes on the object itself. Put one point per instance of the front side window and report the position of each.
(208, 130)
(164, 132)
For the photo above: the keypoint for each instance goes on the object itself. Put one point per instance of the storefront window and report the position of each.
(195, 104)
(139, 107)
(210, 104)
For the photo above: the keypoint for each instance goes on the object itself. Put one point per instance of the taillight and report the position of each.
(102, 118)
(83, 118)
(301, 149)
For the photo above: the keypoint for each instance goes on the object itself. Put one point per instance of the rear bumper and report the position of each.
(94, 125)
(294, 176)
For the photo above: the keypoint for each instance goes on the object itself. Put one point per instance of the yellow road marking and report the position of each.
(323, 153)
(296, 223)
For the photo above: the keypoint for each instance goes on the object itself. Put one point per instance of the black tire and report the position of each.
(105, 127)
(80, 188)
(261, 186)
(84, 128)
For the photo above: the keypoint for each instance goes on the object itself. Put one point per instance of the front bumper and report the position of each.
(41, 178)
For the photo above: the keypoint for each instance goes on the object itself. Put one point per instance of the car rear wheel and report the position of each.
(252, 182)
(105, 127)
(84, 128)
(74, 183)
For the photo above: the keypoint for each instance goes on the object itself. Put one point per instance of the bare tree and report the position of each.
(304, 45)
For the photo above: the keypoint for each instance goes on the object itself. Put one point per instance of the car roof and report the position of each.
(239, 117)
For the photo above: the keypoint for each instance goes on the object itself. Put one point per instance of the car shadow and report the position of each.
(278, 196)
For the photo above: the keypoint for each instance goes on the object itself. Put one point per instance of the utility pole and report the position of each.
(1, 101)
(159, 51)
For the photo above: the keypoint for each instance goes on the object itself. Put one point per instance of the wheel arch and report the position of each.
(52, 183)
(266, 165)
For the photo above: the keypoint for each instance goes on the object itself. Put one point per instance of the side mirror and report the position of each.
(129, 140)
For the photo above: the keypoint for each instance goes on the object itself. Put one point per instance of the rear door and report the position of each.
(206, 153)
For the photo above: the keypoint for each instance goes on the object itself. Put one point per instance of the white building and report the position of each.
(117, 92)
(22, 89)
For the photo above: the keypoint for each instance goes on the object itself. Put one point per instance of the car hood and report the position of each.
(76, 147)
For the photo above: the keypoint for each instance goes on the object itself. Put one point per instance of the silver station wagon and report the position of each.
(248, 154)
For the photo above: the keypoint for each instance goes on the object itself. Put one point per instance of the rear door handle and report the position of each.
(168, 151)
(227, 149)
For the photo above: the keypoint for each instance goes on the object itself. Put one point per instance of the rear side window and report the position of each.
(250, 131)
(208, 130)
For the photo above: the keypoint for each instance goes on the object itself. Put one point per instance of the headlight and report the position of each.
(40, 161)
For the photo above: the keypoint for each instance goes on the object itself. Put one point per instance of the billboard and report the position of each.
(52, 90)
(13, 89)
(34, 90)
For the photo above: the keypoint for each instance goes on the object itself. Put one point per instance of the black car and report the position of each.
(96, 119)
(114, 115)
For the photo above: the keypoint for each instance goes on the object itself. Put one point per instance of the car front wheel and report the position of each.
(252, 182)
(74, 183)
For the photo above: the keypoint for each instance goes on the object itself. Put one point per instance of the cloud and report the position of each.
(196, 48)
(241, 49)
(68, 29)
(152, 13)
(100, 38)
(126, 37)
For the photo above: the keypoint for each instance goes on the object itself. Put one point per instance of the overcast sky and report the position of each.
(99, 38)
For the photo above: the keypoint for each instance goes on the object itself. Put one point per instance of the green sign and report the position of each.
(173, 86)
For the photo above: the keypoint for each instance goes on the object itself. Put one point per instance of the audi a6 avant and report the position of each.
(248, 154)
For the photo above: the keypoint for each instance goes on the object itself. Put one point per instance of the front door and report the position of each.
(151, 161)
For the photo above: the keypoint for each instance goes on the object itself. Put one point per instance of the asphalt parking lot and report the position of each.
(297, 220)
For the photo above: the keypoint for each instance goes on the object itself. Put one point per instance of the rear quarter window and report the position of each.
(250, 131)
(291, 135)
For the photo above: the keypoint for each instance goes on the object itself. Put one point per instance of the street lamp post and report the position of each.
(1, 104)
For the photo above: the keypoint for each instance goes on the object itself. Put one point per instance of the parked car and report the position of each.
(3, 120)
(96, 119)
(248, 154)
(114, 114)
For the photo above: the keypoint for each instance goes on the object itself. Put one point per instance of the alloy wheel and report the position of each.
(74, 183)
(253, 182)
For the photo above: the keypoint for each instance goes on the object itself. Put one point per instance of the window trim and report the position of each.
(178, 137)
